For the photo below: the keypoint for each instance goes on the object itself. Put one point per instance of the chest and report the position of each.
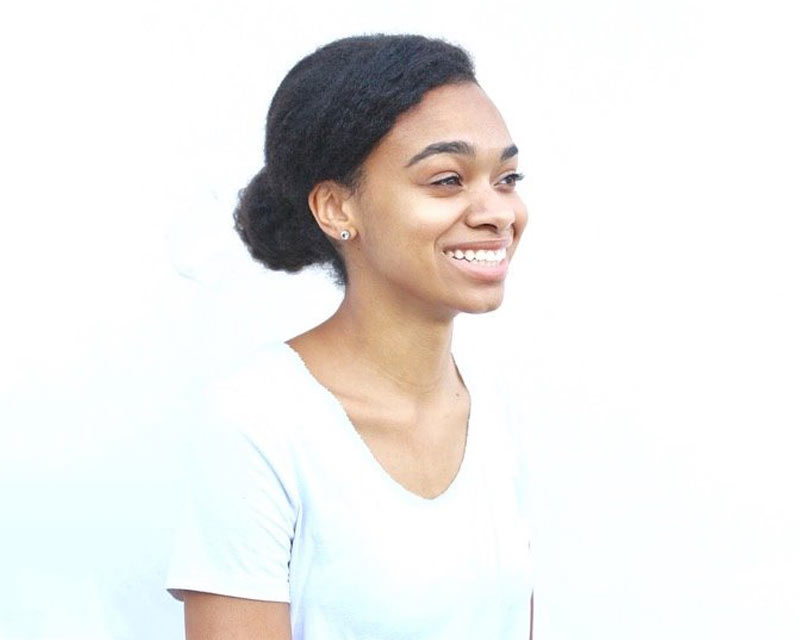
(422, 452)
(381, 559)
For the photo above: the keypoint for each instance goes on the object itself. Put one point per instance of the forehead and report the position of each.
(452, 112)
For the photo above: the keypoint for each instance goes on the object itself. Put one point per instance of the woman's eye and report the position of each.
(511, 179)
(449, 181)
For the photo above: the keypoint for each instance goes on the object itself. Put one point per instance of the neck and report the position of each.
(396, 341)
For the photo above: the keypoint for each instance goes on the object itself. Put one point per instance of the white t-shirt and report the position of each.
(292, 506)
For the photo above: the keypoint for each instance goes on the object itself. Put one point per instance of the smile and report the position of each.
(480, 257)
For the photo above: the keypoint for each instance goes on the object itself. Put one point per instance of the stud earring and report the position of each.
(344, 234)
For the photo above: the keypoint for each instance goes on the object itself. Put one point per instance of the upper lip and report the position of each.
(475, 245)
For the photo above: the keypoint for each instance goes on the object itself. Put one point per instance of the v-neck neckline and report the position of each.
(358, 441)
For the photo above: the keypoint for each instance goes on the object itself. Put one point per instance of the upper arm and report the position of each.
(214, 617)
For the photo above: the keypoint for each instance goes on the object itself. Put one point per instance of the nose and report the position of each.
(494, 209)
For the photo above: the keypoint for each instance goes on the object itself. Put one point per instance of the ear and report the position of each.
(330, 204)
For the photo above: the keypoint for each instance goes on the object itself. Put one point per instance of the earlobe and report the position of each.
(329, 206)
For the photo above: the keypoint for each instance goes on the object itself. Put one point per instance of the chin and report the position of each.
(483, 303)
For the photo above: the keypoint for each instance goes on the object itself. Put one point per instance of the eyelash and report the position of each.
(514, 177)
(446, 182)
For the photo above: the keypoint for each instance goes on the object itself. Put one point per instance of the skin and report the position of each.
(385, 353)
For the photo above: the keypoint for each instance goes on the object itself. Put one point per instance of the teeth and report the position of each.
(481, 255)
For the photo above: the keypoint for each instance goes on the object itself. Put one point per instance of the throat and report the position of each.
(409, 354)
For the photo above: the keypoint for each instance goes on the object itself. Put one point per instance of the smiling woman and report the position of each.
(363, 486)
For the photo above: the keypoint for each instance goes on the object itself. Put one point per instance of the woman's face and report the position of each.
(437, 214)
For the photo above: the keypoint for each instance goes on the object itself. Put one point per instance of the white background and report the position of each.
(649, 334)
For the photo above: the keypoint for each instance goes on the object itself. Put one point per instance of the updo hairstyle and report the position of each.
(328, 114)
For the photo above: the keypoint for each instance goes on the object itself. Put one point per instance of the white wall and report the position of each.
(650, 330)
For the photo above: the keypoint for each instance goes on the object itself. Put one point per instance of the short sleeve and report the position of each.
(236, 534)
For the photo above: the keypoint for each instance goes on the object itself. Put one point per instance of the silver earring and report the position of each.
(344, 234)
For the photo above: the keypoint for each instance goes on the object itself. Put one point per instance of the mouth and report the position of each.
(488, 266)
(479, 258)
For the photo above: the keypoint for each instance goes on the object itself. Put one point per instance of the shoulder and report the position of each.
(265, 394)
(500, 413)
(266, 375)
(256, 415)
(487, 390)
(246, 438)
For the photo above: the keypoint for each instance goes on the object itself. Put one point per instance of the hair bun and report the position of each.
(274, 232)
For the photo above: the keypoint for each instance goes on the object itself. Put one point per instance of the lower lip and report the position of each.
(484, 273)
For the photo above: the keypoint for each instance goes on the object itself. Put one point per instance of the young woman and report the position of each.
(365, 486)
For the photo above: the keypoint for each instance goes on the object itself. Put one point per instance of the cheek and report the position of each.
(407, 223)
(520, 218)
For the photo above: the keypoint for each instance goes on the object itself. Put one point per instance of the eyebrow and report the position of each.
(509, 152)
(458, 147)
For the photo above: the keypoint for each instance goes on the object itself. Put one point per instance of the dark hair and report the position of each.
(329, 112)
